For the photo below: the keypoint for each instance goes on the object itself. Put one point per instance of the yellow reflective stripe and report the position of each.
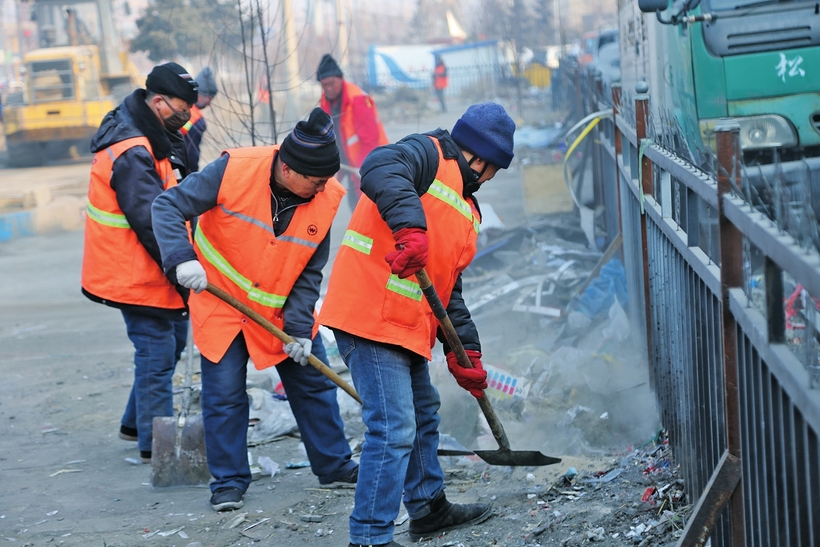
(188, 125)
(446, 194)
(357, 241)
(404, 287)
(218, 261)
(107, 219)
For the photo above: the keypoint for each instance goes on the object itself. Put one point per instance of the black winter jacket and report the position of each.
(394, 176)
(134, 177)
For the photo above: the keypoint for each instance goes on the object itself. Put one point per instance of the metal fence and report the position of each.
(725, 297)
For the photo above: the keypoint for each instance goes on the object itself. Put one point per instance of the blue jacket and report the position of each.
(198, 194)
(394, 176)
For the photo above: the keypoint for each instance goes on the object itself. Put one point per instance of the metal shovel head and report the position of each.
(515, 457)
(178, 453)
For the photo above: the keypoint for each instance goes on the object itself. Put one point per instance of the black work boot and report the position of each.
(446, 516)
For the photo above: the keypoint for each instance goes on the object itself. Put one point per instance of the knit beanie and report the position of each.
(310, 149)
(328, 67)
(172, 80)
(486, 130)
(207, 82)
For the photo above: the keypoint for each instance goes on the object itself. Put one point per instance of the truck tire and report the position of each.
(26, 155)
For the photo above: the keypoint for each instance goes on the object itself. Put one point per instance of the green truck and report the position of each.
(757, 61)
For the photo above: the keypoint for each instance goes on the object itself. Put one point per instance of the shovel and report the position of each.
(504, 455)
(285, 338)
(178, 446)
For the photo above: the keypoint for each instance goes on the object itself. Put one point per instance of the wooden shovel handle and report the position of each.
(284, 337)
(463, 360)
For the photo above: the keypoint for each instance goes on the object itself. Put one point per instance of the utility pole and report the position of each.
(342, 35)
(291, 109)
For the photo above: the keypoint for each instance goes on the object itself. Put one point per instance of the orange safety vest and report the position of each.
(440, 79)
(347, 127)
(116, 266)
(365, 299)
(236, 245)
(196, 115)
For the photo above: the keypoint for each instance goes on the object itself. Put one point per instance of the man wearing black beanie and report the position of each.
(357, 122)
(263, 236)
(419, 203)
(139, 153)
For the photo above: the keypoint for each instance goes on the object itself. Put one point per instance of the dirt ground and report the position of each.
(67, 367)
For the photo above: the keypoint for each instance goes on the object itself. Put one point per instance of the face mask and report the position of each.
(176, 120)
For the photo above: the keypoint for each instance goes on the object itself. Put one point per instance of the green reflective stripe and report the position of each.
(218, 261)
(446, 194)
(476, 224)
(357, 241)
(107, 219)
(404, 287)
(188, 125)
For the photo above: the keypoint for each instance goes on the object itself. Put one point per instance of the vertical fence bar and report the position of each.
(729, 158)
(641, 123)
(616, 138)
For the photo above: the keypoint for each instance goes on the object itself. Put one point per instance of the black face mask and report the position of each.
(175, 121)
(473, 185)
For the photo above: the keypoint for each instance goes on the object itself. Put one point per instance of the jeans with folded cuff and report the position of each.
(225, 408)
(400, 410)
(158, 343)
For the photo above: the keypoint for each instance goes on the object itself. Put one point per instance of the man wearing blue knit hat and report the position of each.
(263, 236)
(418, 211)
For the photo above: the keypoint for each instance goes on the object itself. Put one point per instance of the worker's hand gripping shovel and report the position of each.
(504, 455)
(271, 328)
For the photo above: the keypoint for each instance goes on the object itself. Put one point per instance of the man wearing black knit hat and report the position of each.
(139, 153)
(419, 210)
(263, 236)
(358, 127)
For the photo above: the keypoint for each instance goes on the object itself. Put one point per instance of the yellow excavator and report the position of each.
(79, 73)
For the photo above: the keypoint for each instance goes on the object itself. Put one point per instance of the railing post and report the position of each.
(641, 123)
(616, 135)
(729, 157)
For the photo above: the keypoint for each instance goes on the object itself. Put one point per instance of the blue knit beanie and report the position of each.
(486, 130)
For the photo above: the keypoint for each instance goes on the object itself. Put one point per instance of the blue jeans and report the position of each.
(400, 411)
(158, 344)
(225, 407)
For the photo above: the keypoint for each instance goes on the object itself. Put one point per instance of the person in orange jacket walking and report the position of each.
(263, 236)
(440, 81)
(138, 154)
(356, 119)
(419, 210)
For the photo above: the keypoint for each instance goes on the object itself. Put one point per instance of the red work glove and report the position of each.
(473, 379)
(411, 252)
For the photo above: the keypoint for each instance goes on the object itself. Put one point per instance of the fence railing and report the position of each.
(725, 298)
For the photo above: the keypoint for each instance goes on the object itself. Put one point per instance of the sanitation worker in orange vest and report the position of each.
(440, 81)
(139, 153)
(263, 236)
(354, 114)
(196, 126)
(419, 210)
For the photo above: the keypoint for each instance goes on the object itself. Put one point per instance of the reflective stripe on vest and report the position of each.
(107, 219)
(357, 241)
(218, 261)
(404, 287)
(439, 190)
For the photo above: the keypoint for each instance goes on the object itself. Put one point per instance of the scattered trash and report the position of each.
(311, 518)
(236, 521)
(269, 467)
(297, 465)
(255, 524)
(134, 461)
(170, 532)
(61, 471)
(269, 418)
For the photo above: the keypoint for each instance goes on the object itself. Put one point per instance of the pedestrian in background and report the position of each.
(357, 123)
(440, 81)
(138, 154)
(196, 126)
(263, 236)
(419, 210)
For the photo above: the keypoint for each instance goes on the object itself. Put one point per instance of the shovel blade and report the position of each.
(515, 457)
(178, 454)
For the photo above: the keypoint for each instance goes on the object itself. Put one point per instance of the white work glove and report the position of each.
(191, 274)
(299, 350)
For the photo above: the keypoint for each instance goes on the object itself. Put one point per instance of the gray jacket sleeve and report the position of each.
(302, 299)
(195, 195)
